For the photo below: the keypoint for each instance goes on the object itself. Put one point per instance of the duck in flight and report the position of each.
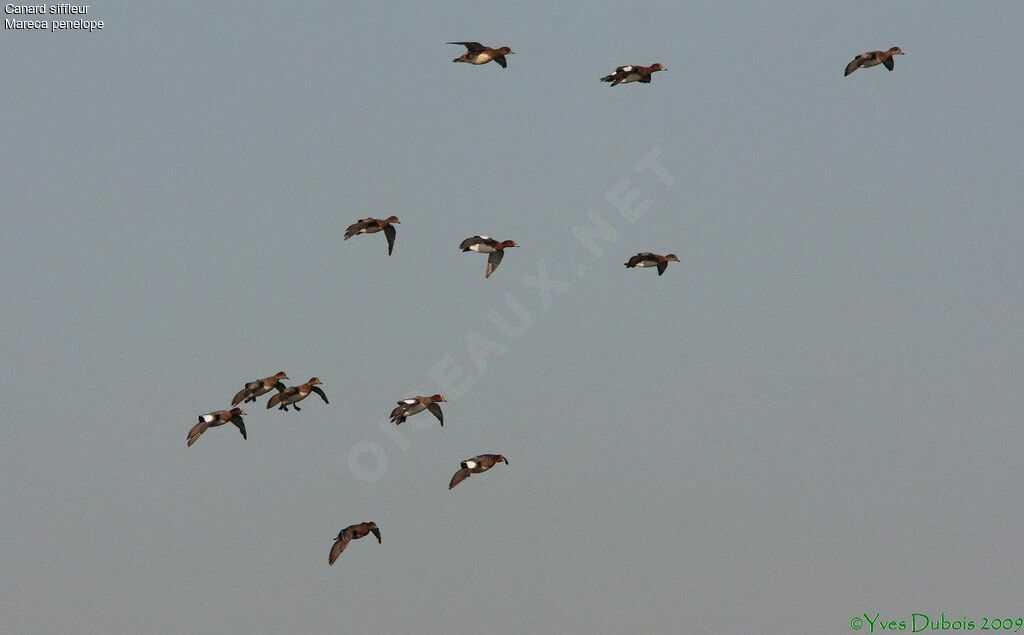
(259, 387)
(415, 405)
(350, 533)
(294, 394)
(477, 53)
(487, 245)
(874, 58)
(374, 225)
(647, 259)
(476, 465)
(633, 73)
(214, 419)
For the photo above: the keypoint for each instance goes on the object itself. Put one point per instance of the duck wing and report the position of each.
(389, 233)
(358, 226)
(279, 397)
(237, 420)
(469, 242)
(398, 415)
(854, 64)
(320, 392)
(338, 546)
(196, 432)
(458, 477)
(244, 393)
(640, 257)
(376, 532)
(889, 62)
(436, 411)
(472, 47)
(493, 261)
(239, 396)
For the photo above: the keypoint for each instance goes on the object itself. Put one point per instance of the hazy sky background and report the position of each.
(815, 414)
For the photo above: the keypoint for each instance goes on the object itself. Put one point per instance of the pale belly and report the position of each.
(480, 58)
(482, 249)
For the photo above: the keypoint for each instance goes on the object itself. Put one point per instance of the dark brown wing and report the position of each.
(196, 432)
(239, 396)
(493, 261)
(354, 228)
(389, 233)
(398, 415)
(237, 420)
(280, 387)
(500, 59)
(436, 411)
(245, 392)
(338, 547)
(276, 399)
(459, 476)
(472, 47)
(889, 62)
(662, 266)
(376, 532)
(317, 390)
(853, 65)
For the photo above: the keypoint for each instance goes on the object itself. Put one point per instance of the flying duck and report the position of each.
(633, 73)
(214, 419)
(259, 387)
(350, 533)
(476, 465)
(647, 259)
(374, 225)
(414, 405)
(874, 58)
(295, 394)
(487, 245)
(477, 53)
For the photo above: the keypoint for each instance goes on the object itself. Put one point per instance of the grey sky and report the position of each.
(815, 414)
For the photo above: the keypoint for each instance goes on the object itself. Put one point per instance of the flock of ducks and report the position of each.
(286, 397)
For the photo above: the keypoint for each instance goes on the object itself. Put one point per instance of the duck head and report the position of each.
(505, 244)
(896, 51)
(313, 381)
(437, 398)
(392, 220)
(501, 457)
(234, 412)
(672, 257)
(281, 375)
(505, 51)
(658, 67)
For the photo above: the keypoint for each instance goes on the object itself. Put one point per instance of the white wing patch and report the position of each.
(410, 402)
(627, 68)
(208, 418)
(470, 464)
